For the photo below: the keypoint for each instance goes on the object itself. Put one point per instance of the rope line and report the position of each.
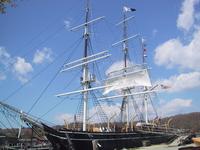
(35, 76)
(50, 82)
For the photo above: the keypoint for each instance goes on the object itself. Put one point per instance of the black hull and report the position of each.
(69, 140)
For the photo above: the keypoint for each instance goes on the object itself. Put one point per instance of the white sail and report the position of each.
(127, 80)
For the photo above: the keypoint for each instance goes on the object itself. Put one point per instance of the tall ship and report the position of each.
(127, 83)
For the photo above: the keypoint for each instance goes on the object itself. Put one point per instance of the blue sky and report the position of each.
(36, 33)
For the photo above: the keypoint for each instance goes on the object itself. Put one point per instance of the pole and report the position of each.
(146, 109)
(125, 50)
(85, 71)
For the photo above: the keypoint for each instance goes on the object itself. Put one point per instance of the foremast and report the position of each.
(87, 78)
(85, 82)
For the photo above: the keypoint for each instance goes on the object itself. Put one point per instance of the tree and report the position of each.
(4, 4)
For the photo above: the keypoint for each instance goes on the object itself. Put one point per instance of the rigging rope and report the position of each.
(35, 131)
(53, 107)
(72, 80)
(110, 29)
(3, 125)
(95, 63)
(36, 75)
(100, 110)
(154, 108)
(38, 35)
(44, 90)
(42, 42)
(51, 81)
(8, 122)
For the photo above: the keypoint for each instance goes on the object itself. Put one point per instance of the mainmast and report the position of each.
(85, 82)
(129, 77)
(125, 102)
(125, 43)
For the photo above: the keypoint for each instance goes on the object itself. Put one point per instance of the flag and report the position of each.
(126, 9)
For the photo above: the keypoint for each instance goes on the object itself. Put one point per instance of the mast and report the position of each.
(125, 51)
(120, 81)
(85, 82)
(124, 42)
(86, 77)
(145, 88)
(146, 107)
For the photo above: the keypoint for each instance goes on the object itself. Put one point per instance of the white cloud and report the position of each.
(119, 65)
(174, 53)
(174, 106)
(22, 68)
(64, 117)
(67, 24)
(22, 79)
(182, 82)
(42, 55)
(16, 65)
(186, 17)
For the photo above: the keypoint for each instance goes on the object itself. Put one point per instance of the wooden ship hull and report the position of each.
(196, 141)
(79, 140)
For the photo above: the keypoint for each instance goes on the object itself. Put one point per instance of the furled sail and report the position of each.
(127, 80)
